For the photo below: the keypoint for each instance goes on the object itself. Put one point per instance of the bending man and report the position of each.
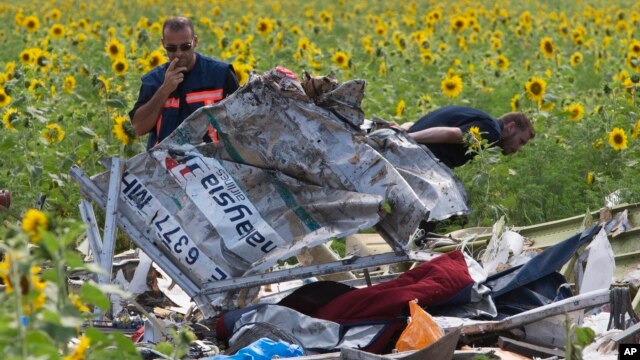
(442, 131)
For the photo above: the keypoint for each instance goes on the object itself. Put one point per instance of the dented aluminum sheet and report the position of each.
(288, 173)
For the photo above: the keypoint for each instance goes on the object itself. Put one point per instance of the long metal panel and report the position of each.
(314, 270)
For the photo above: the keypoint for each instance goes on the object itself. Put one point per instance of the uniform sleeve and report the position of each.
(145, 94)
(230, 82)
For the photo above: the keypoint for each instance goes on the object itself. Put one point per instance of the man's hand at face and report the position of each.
(174, 76)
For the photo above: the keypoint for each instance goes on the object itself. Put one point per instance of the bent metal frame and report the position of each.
(102, 247)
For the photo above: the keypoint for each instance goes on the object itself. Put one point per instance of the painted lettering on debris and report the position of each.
(225, 205)
(168, 230)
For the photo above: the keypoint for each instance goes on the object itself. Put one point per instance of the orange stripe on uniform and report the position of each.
(172, 103)
(208, 97)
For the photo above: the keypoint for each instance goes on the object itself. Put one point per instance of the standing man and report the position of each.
(171, 92)
(442, 131)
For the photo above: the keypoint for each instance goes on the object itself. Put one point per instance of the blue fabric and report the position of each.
(546, 290)
(463, 118)
(545, 263)
(537, 282)
(207, 74)
(263, 349)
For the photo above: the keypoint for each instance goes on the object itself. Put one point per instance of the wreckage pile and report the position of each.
(292, 170)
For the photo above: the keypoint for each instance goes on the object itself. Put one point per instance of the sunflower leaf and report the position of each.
(87, 132)
(116, 102)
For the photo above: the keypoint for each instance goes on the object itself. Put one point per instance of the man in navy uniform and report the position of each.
(172, 91)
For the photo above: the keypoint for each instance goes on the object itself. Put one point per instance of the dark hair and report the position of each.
(178, 23)
(521, 120)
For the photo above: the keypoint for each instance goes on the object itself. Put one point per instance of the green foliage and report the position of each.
(65, 106)
(577, 338)
(40, 317)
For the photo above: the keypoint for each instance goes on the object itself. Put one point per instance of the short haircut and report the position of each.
(178, 23)
(521, 120)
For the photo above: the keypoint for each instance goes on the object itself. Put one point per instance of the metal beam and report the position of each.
(93, 234)
(93, 192)
(111, 211)
(353, 263)
(590, 299)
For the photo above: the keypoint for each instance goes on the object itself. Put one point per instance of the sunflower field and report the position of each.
(70, 72)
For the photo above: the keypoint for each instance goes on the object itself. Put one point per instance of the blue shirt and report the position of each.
(208, 82)
(464, 118)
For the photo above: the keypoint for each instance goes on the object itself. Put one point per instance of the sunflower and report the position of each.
(295, 30)
(590, 178)
(451, 86)
(535, 88)
(34, 223)
(515, 102)
(618, 139)
(69, 84)
(474, 138)
(326, 19)
(42, 59)
(122, 131)
(55, 15)
(31, 23)
(400, 108)
(264, 26)
(237, 46)
(80, 350)
(56, 31)
(426, 57)
(5, 271)
(382, 69)
(621, 76)
(634, 47)
(37, 285)
(381, 29)
(103, 84)
(633, 61)
(9, 68)
(35, 84)
(458, 23)
(546, 45)
(53, 133)
(79, 38)
(597, 145)
(5, 99)
(576, 58)
(575, 111)
(502, 62)
(636, 130)
(341, 59)
(242, 72)
(114, 49)
(629, 86)
(120, 66)
(434, 15)
(10, 116)
(496, 43)
(26, 56)
(156, 58)
(75, 300)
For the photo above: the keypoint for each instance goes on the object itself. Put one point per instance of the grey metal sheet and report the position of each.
(287, 174)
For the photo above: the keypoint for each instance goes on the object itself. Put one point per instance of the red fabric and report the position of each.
(431, 282)
(137, 336)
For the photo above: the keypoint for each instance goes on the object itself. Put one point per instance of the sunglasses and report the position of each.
(183, 47)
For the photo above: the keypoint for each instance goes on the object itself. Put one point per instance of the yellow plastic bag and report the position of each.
(421, 332)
